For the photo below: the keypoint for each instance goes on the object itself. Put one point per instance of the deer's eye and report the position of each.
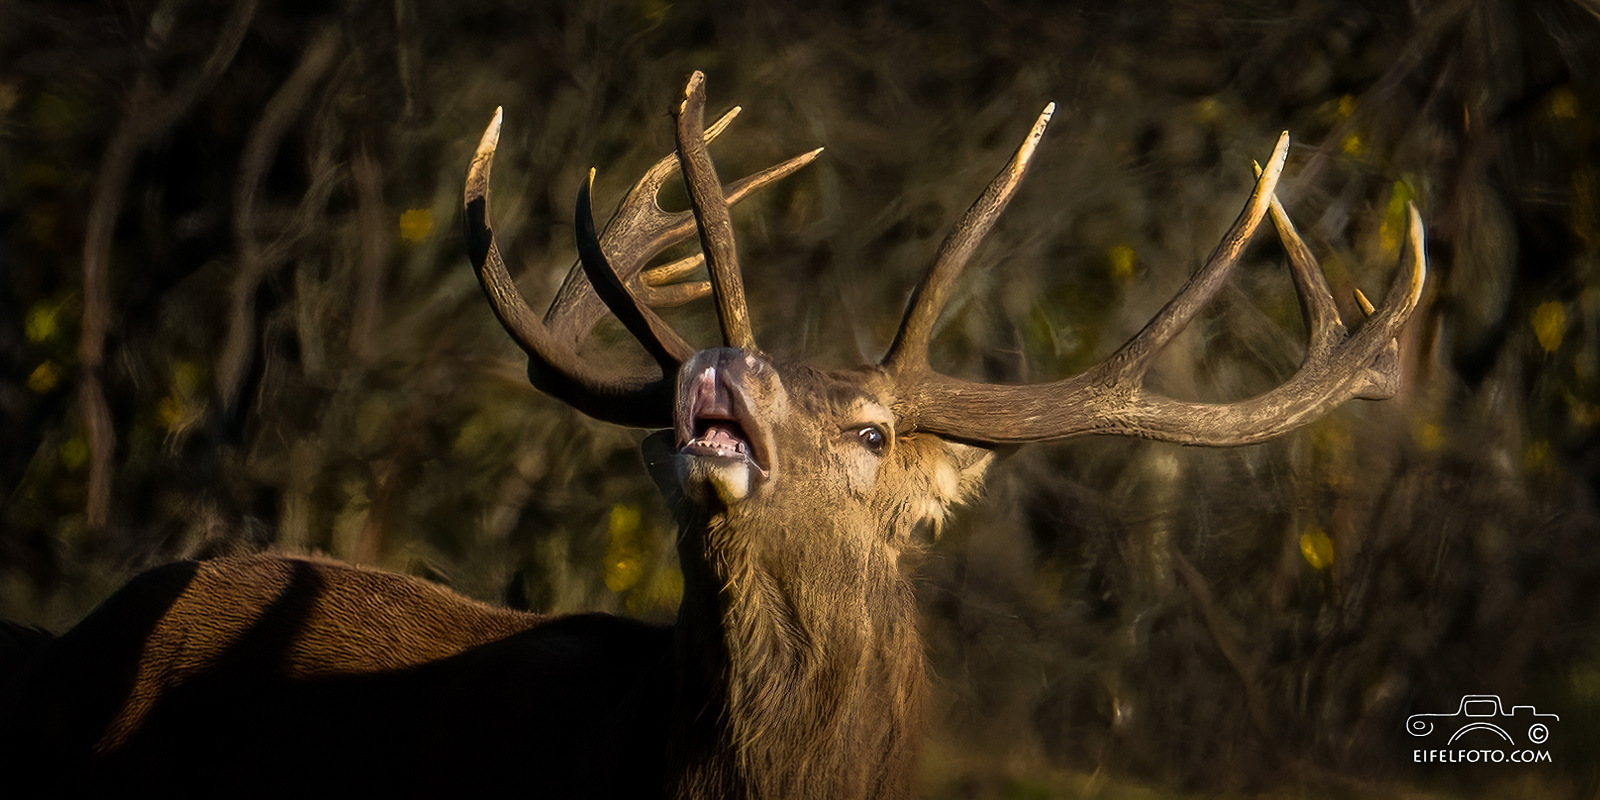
(873, 438)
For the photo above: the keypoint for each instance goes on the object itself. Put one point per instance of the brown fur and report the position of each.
(804, 624)
(272, 676)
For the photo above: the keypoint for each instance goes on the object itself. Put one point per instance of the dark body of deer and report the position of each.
(277, 677)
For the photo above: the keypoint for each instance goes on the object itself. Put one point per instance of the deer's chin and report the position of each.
(707, 476)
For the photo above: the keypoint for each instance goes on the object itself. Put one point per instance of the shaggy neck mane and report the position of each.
(800, 663)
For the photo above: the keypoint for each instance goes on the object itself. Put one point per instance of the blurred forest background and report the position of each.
(236, 314)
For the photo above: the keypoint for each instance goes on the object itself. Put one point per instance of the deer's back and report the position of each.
(271, 675)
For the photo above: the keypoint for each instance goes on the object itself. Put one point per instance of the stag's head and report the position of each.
(868, 454)
(752, 436)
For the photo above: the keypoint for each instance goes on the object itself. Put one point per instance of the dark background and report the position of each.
(235, 314)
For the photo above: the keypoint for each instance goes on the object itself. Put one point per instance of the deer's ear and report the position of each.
(946, 474)
(660, 452)
(960, 474)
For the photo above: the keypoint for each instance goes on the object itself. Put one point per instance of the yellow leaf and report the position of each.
(1122, 259)
(416, 224)
(624, 520)
(624, 561)
(622, 571)
(1327, 436)
(178, 413)
(1563, 104)
(44, 377)
(1550, 325)
(186, 377)
(74, 452)
(1317, 548)
(1396, 220)
(1430, 436)
(42, 322)
(1536, 456)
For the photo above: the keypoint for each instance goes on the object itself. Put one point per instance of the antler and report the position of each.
(711, 211)
(910, 347)
(640, 229)
(637, 232)
(1110, 398)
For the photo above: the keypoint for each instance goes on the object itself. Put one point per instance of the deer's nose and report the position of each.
(733, 364)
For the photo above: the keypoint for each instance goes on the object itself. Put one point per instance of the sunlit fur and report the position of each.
(802, 596)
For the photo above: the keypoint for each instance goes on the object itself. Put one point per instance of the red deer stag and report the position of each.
(794, 669)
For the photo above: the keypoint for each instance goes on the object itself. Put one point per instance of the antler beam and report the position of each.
(1110, 398)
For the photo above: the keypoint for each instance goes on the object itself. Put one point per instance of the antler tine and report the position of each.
(1110, 398)
(909, 351)
(665, 274)
(711, 213)
(655, 285)
(1405, 294)
(640, 229)
(665, 286)
(1324, 327)
(553, 367)
(1133, 359)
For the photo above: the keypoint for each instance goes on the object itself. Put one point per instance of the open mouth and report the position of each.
(719, 439)
(712, 423)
